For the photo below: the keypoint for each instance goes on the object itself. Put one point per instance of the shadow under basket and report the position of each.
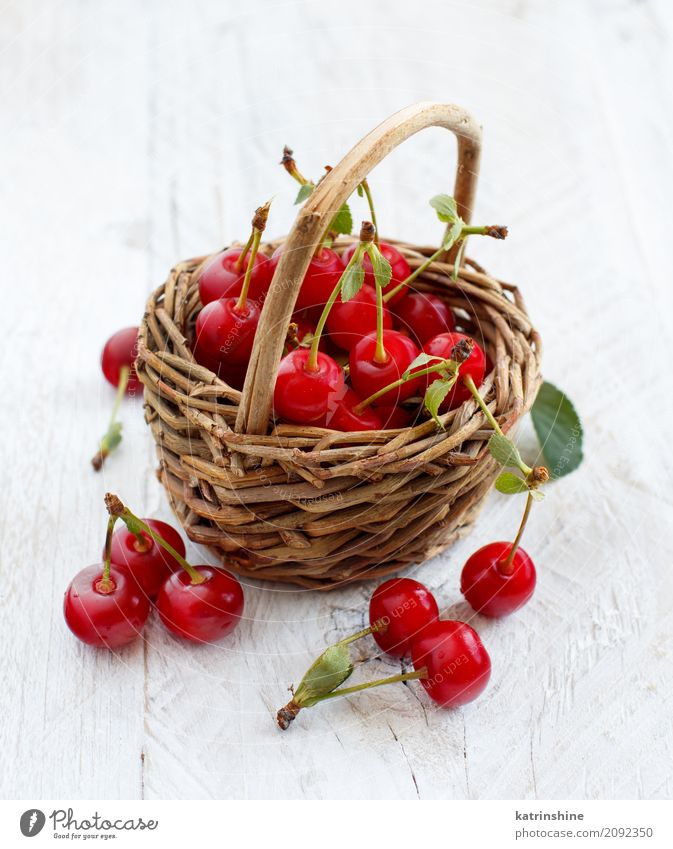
(311, 506)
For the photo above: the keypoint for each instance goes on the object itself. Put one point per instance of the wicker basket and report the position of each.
(312, 506)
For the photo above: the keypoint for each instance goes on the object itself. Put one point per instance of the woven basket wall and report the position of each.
(310, 506)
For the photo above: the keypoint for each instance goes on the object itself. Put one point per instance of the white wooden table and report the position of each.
(138, 134)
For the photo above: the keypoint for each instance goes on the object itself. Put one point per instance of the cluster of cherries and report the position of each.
(144, 566)
(356, 332)
(447, 655)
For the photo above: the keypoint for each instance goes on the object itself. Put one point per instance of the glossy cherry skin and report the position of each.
(149, 564)
(458, 665)
(407, 607)
(400, 268)
(221, 279)
(475, 366)
(348, 322)
(368, 376)
(307, 397)
(105, 619)
(394, 418)
(202, 613)
(322, 275)
(491, 591)
(121, 349)
(224, 335)
(344, 418)
(423, 316)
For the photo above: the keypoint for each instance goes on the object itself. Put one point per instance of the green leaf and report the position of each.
(458, 260)
(422, 360)
(537, 495)
(342, 221)
(352, 280)
(327, 673)
(509, 483)
(454, 234)
(559, 430)
(504, 450)
(380, 266)
(446, 208)
(435, 394)
(304, 192)
(360, 191)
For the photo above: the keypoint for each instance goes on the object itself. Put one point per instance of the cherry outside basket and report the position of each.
(311, 506)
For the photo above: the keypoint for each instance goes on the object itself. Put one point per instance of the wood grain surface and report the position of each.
(134, 135)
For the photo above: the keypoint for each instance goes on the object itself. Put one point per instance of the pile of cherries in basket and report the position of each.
(363, 347)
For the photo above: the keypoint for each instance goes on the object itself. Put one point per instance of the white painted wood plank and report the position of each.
(138, 136)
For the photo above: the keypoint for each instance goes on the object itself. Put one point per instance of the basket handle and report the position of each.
(312, 222)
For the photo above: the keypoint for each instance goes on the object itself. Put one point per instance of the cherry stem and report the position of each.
(243, 297)
(379, 625)
(312, 361)
(495, 231)
(290, 166)
(136, 526)
(370, 201)
(106, 584)
(347, 691)
(112, 436)
(238, 265)
(380, 355)
(440, 365)
(507, 566)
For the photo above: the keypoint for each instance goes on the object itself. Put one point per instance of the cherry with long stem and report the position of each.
(136, 526)
(113, 435)
(106, 585)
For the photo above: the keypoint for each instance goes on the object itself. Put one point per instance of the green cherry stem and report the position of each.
(364, 185)
(380, 353)
(494, 231)
(113, 435)
(136, 526)
(106, 585)
(290, 166)
(506, 566)
(238, 265)
(347, 691)
(440, 365)
(366, 236)
(258, 225)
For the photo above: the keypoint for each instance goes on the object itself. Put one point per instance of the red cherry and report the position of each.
(221, 279)
(345, 419)
(121, 349)
(348, 322)
(492, 590)
(398, 263)
(474, 365)
(148, 563)
(369, 376)
(407, 607)
(458, 664)
(201, 612)
(395, 417)
(307, 397)
(423, 316)
(224, 335)
(106, 617)
(322, 275)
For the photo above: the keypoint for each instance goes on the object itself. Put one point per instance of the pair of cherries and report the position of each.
(458, 666)
(108, 604)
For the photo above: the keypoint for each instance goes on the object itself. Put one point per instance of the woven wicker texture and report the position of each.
(316, 507)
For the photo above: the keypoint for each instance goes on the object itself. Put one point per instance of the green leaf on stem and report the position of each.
(559, 430)
(304, 192)
(446, 208)
(504, 450)
(380, 266)
(360, 191)
(453, 234)
(421, 360)
(435, 394)
(510, 484)
(327, 673)
(351, 281)
(342, 221)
